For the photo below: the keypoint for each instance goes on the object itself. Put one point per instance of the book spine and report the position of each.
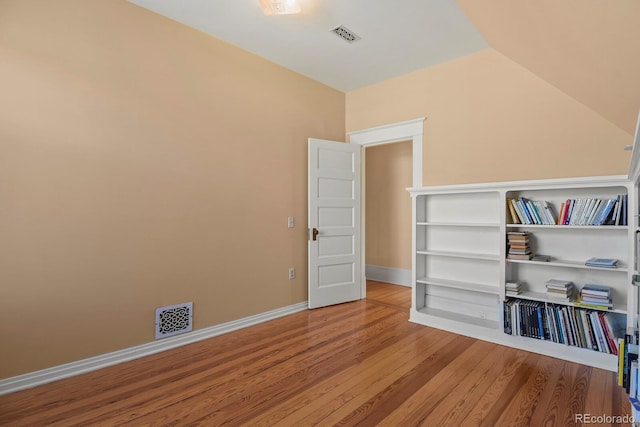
(533, 212)
(525, 209)
(506, 312)
(618, 214)
(512, 212)
(561, 213)
(540, 322)
(603, 214)
(548, 209)
(594, 211)
(561, 331)
(621, 351)
(569, 209)
(587, 328)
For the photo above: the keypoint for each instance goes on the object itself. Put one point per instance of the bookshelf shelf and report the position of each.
(460, 249)
(458, 224)
(623, 228)
(479, 256)
(621, 268)
(461, 318)
(542, 297)
(477, 287)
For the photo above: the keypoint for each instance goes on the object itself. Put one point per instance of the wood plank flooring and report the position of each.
(359, 363)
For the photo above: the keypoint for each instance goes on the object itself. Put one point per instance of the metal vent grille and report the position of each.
(345, 34)
(174, 320)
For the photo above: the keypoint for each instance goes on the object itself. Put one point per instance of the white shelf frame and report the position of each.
(487, 329)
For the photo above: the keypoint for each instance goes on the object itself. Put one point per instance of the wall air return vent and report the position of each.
(345, 34)
(174, 320)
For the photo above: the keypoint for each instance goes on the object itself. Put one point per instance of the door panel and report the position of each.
(335, 262)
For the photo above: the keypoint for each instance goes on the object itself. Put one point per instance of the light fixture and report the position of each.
(280, 7)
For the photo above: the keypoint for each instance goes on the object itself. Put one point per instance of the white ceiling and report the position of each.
(397, 37)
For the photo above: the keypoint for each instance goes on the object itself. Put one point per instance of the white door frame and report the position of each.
(411, 130)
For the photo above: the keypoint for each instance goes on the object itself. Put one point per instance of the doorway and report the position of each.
(404, 131)
(388, 174)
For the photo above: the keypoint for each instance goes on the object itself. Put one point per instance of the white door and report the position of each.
(335, 264)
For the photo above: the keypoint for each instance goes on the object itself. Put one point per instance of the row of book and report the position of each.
(562, 324)
(591, 211)
(594, 211)
(526, 211)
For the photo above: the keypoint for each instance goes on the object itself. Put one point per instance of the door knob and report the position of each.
(314, 233)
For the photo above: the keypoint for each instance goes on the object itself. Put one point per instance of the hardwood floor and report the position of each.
(359, 363)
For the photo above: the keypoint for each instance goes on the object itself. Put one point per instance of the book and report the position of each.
(601, 262)
(541, 258)
(515, 219)
(520, 257)
(563, 284)
(602, 215)
(551, 217)
(514, 251)
(621, 351)
(516, 234)
(560, 214)
(525, 209)
(593, 306)
(596, 290)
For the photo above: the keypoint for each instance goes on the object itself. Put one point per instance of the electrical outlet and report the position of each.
(292, 273)
(290, 222)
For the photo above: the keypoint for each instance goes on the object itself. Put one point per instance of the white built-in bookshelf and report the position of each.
(461, 264)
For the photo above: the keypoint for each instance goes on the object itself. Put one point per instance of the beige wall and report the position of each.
(143, 164)
(489, 119)
(388, 205)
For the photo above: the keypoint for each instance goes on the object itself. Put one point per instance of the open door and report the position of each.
(335, 258)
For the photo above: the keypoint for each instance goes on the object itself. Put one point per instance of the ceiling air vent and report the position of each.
(346, 34)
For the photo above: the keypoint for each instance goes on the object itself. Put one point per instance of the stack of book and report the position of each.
(519, 245)
(594, 211)
(602, 262)
(595, 296)
(560, 290)
(513, 288)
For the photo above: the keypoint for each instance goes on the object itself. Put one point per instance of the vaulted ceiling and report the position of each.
(589, 49)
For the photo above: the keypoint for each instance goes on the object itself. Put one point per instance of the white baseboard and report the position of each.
(32, 379)
(397, 276)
